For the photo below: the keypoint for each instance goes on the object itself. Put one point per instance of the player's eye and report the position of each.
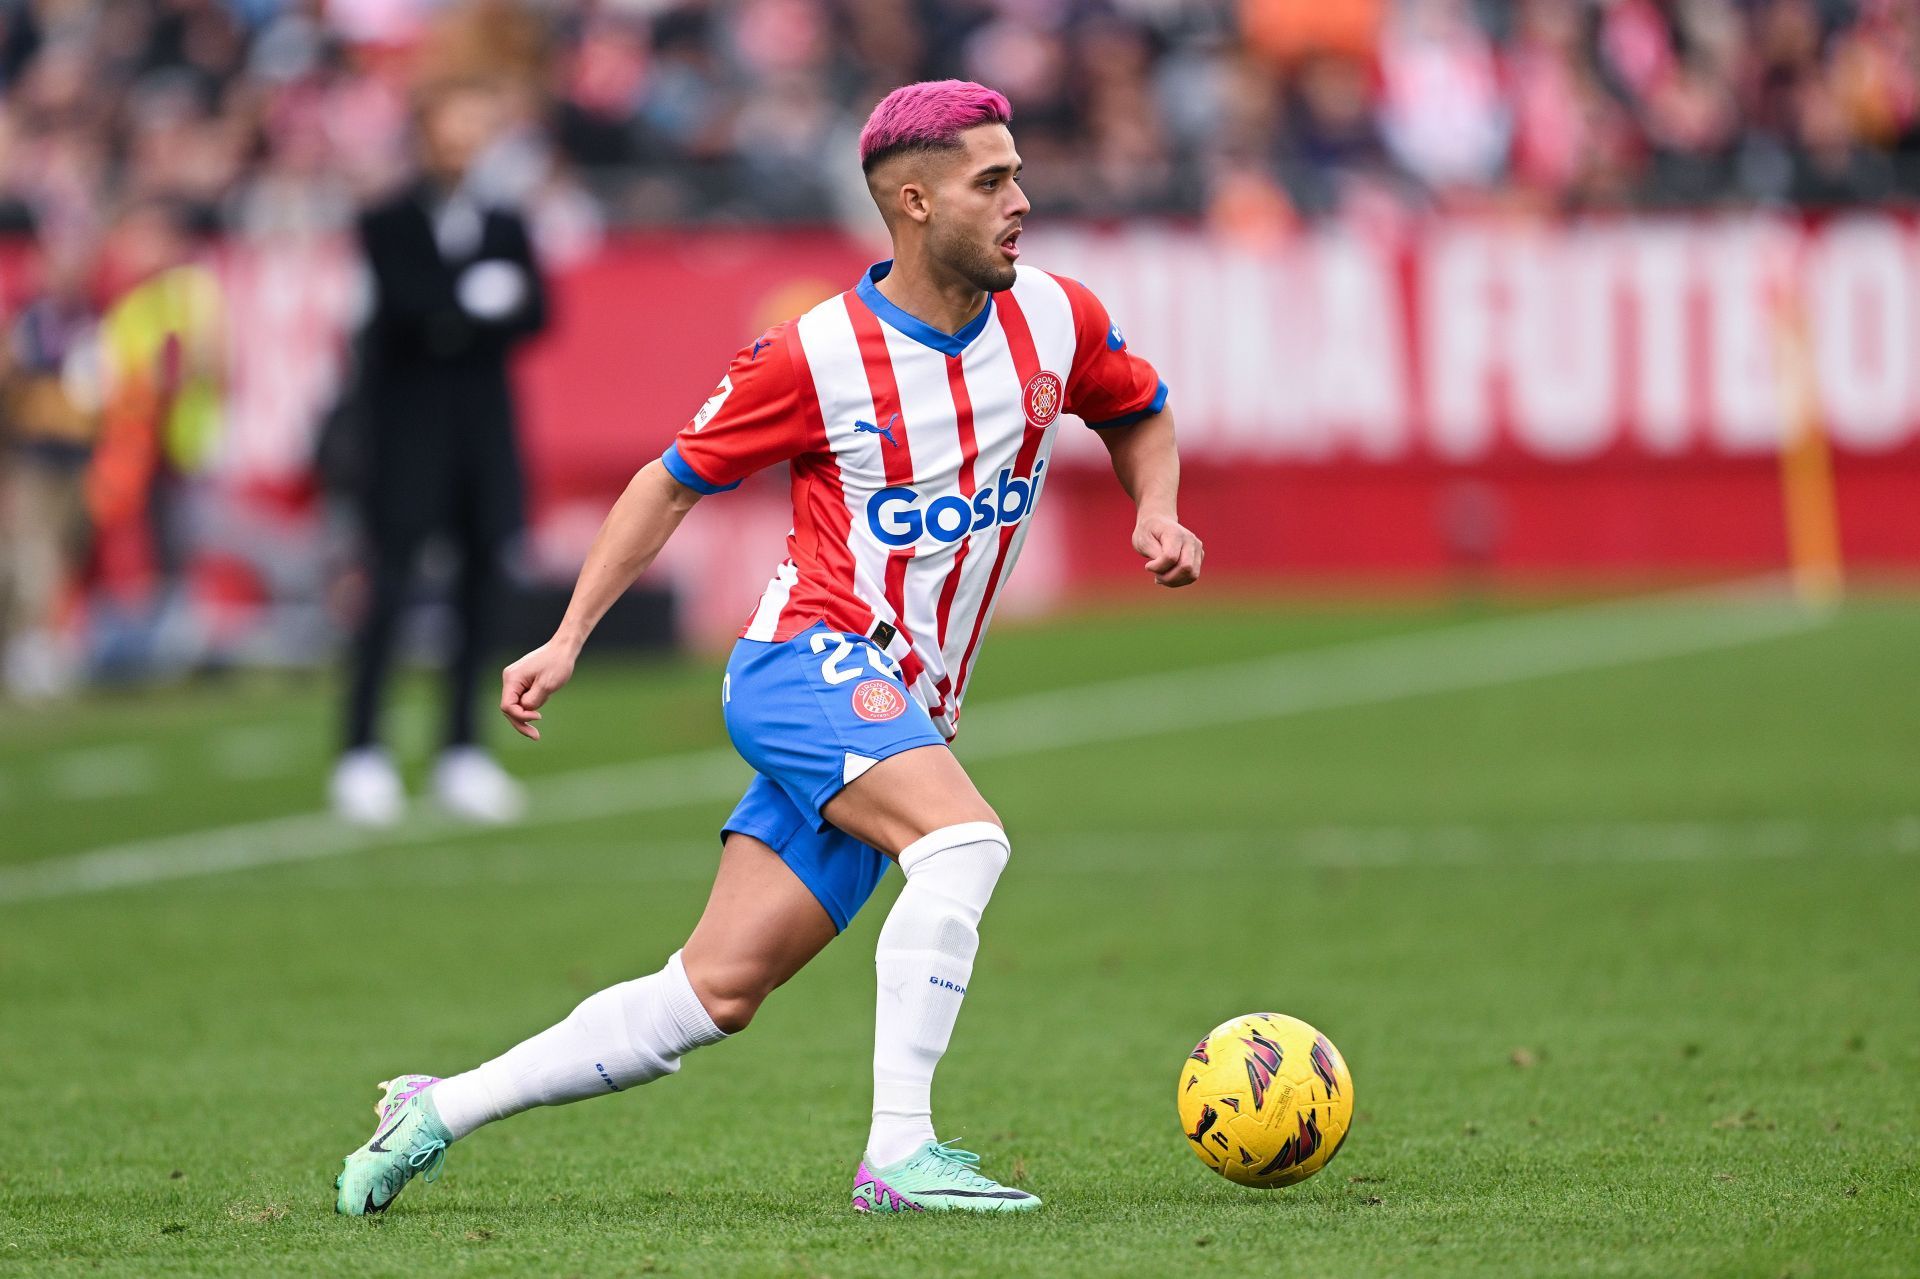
(990, 184)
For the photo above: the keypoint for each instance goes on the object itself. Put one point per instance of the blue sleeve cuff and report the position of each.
(678, 468)
(1158, 402)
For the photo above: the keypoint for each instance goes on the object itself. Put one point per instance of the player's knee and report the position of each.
(962, 862)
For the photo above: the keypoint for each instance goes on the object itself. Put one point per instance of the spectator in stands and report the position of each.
(678, 112)
(49, 418)
(1441, 109)
(163, 347)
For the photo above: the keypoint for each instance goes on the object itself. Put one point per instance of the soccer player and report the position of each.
(916, 412)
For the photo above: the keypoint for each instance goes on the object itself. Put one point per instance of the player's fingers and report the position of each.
(522, 721)
(1186, 568)
(1190, 556)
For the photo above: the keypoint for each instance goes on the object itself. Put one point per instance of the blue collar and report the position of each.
(949, 344)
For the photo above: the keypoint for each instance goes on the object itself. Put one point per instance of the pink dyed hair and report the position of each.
(929, 116)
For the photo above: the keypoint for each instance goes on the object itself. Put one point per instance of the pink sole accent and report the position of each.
(387, 1108)
(870, 1194)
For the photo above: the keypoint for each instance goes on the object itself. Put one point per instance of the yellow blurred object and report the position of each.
(162, 343)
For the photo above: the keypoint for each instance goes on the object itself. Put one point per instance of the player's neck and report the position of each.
(930, 295)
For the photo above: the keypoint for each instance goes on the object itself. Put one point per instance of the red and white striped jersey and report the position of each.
(917, 458)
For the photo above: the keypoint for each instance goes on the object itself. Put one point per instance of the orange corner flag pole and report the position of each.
(1810, 503)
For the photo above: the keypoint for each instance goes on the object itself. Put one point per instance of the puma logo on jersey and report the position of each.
(885, 432)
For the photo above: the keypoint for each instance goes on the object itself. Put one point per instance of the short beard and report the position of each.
(985, 270)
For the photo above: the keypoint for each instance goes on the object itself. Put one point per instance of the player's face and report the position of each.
(458, 126)
(977, 206)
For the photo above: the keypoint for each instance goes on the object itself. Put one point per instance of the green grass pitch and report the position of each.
(1625, 960)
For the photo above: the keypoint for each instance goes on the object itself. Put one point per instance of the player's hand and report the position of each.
(526, 685)
(1172, 552)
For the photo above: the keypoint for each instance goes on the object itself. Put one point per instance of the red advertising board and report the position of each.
(1526, 399)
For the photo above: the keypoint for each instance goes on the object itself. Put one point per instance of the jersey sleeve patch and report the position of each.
(752, 420)
(713, 404)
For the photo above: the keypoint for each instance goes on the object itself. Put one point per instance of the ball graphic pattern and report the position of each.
(1265, 1100)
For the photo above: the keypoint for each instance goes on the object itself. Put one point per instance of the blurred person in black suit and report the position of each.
(454, 289)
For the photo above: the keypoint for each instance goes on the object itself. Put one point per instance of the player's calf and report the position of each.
(618, 1038)
(731, 999)
(923, 963)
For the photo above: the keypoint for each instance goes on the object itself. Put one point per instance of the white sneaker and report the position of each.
(38, 668)
(366, 789)
(470, 785)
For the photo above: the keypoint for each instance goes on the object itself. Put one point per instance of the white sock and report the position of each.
(923, 963)
(624, 1035)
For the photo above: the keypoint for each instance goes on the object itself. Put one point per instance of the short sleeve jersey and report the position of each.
(917, 458)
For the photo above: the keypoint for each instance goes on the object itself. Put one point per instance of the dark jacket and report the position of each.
(432, 404)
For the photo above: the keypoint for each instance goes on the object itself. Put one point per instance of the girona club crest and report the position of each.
(877, 700)
(1043, 398)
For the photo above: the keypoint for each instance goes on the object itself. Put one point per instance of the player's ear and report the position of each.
(914, 202)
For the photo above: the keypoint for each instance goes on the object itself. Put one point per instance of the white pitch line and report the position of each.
(1447, 846)
(1369, 672)
(1466, 845)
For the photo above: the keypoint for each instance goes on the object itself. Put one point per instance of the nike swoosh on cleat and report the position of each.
(980, 1194)
(375, 1145)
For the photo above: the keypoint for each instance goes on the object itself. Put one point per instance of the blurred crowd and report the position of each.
(264, 114)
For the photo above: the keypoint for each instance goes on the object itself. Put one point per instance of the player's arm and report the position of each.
(1148, 464)
(752, 420)
(631, 537)
(1123, 399)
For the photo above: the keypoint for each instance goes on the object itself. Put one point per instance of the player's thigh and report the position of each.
(760, 927)
(907, 796)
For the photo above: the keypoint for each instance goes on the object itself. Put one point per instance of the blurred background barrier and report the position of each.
(1470, 402)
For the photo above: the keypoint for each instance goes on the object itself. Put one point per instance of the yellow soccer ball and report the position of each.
(1265, 1100)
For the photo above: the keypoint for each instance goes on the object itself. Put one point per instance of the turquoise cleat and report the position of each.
(935, 1178)
(408, 1140)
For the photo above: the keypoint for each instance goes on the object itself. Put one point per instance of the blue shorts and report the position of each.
(811, 714)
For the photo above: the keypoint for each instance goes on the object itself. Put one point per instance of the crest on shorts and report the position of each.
(1043, 398)
(877, 700)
